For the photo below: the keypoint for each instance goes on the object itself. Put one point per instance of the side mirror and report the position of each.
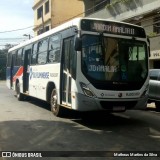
(78, 44)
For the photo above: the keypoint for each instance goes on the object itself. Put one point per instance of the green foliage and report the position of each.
(3, 60)
(117, 1)
(124, 1)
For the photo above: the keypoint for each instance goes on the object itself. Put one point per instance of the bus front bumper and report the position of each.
(84, 103)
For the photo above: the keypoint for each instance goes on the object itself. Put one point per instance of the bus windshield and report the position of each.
(114, 59)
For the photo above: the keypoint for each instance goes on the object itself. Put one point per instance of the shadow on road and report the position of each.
(37, 102)
(118, 134)
(99, 120)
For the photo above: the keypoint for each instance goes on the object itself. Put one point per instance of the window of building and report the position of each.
(97, 5)
(47, 28)
(40, 31)
(39, 12)
(46, 7)
(156, 26)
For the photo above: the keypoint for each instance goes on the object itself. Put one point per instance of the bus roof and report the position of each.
(71, 23)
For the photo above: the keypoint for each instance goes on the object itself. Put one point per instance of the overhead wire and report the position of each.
(16, 29)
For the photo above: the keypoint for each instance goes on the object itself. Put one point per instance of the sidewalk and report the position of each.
(2, 81)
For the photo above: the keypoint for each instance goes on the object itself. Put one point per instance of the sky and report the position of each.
(15, 14)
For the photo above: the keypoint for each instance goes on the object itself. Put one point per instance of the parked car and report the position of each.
(154, 87)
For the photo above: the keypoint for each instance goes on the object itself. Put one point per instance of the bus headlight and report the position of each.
(86, 90)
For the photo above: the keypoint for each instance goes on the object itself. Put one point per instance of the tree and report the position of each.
(3, 60)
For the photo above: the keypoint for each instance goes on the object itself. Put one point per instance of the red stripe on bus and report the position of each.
(18, 74)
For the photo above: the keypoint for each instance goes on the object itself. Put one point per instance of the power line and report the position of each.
(12, 38)
(6, 44)
(17, 29)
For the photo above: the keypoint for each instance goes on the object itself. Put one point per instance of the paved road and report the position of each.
(30, 126)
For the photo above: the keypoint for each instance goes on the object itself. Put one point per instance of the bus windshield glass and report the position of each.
(114, 59)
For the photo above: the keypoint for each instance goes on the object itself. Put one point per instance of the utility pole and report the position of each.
(27, 35)
(42, 22)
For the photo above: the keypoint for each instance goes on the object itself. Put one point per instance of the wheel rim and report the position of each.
(54, 101)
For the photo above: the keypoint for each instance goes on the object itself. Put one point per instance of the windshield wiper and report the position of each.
(102, 44)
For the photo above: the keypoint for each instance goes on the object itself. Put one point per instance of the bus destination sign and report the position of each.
(112, 28)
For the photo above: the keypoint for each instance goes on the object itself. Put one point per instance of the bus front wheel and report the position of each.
(19, 94)
(55, 107)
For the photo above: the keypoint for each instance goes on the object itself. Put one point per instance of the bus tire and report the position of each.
(55, 107)
(20, 96)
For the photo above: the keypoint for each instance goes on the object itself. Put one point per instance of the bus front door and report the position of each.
(11, 74)
(66, 72)
(26, 66)
(13, 57)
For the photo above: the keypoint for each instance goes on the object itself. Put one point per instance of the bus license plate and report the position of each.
(118, 108)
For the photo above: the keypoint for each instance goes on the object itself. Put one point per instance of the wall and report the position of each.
(64, 10)
(125, 10)
(60, 11)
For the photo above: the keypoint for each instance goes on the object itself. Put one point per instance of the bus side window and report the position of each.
(42, 51)
(19, 57)
(14, 58)
(54, 49)
(34, 54)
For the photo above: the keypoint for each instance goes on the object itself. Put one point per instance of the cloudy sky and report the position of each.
(15, 14)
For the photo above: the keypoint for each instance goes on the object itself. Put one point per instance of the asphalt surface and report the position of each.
(30, 126)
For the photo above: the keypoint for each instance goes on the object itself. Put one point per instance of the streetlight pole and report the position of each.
(27, 35)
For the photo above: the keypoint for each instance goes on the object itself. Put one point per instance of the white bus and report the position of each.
(85, 64)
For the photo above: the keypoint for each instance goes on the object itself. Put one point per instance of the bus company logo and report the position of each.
(102, 94)
(42, 75)
(119, 95)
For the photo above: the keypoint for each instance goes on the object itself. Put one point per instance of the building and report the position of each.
(141, 12)
(51, 13)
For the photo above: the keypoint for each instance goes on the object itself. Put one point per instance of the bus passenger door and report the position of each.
(27, 54)
(11, 73)
(12, 69)
(66, 72)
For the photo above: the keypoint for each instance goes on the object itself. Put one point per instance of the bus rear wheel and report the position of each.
(20, 96)
(55, 107)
